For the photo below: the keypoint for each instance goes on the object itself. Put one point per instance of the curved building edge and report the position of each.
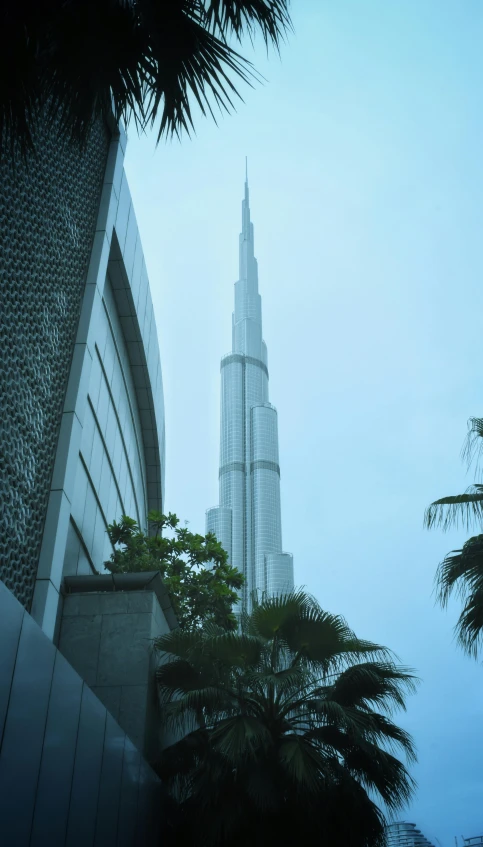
(110, 454)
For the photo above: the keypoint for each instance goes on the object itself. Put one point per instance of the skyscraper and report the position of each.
(248, 520)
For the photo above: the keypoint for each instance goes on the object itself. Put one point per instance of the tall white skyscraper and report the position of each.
(248, 520)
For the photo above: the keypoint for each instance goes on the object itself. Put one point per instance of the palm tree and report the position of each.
(142, 59)
(461, 571)
(288, 733)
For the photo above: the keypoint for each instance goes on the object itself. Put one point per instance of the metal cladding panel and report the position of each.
(142, 821)
(62, 766)
(87, 772)
(11, 616)
(21, 750)
(129, 795)
(57, 764)
(110, 788)
(48, 212)
(149, 800)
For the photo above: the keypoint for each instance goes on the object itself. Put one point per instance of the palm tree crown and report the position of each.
(288, 729)
(461, 571)
(144, 59)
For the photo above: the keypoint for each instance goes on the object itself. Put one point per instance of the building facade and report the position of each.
(82, 424)
(403, 834)
(248, 520)
(81, 443)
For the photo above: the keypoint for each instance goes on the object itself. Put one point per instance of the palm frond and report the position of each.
(365, 825)
(473, 445)
(260, 788)
(286, 681)
(93, 61)
(381, 772)
(233, 649)
(469, 627)
(179, 758)
(447, 512)
(178, 677)
(301, 761)
(462, 572)
(354, 649)
(381, 730)
(186, 60)
(374, 684)
(288, 708)
(311, 712)
(238, 17)
(206, 704)
(361, 727)
(180, 643)
(140, 59)
(270, 614)
(240, 737)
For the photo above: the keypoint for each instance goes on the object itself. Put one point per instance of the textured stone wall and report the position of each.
(107, 637)
(48, 212)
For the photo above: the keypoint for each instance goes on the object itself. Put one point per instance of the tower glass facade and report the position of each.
(248, 520)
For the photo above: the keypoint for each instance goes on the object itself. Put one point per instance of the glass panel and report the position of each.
(110, 788)
(71, 556)
(87, 772)
(129, 791)
(57, 766)
(24, 732)
(11, 615)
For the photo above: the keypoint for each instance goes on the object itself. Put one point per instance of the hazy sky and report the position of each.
(366, 180)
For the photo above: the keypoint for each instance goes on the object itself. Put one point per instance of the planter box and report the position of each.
(106, 633)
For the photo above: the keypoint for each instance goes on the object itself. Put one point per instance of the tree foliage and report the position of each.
(461, 571)
(289, 737)
(202, 585)
(142, 59)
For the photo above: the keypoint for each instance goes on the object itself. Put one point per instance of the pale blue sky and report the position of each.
(366, 177)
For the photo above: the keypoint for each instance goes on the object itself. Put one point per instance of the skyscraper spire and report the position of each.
(248, 520)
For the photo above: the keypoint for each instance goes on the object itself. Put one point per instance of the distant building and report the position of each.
(248, 520)
(403, 834)
(81, 443)
(476, 841)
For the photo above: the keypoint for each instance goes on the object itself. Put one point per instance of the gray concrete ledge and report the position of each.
(144, 581)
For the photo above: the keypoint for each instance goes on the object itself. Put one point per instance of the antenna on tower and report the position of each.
(246, 168)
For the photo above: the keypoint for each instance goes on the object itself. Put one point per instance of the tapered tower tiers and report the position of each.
(248, 520)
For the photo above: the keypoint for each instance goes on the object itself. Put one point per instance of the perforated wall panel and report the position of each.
(48, 211)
